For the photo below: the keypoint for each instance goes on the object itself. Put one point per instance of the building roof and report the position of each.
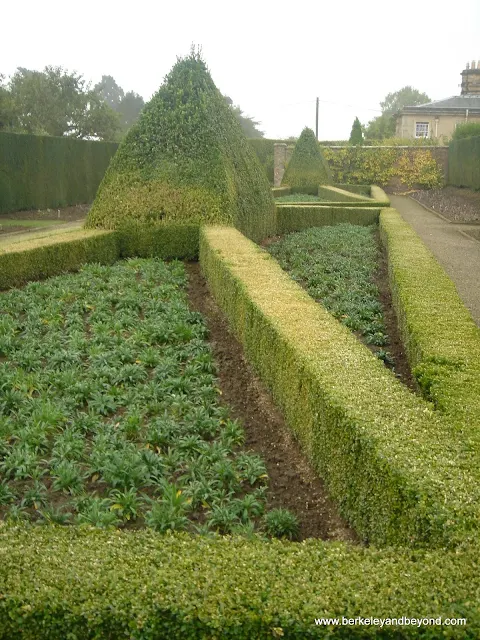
(452, 104)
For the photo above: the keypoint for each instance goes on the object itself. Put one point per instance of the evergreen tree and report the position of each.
(356, 135)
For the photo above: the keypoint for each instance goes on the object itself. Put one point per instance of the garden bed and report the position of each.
(454, 203)
(345, 268)
(115, 418)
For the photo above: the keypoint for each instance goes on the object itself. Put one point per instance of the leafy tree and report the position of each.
(57, 103)
(8, 114)
(109, 91)
(356, 135)
(405, 97)
(129, 109)
(384, 126)
(248, 124)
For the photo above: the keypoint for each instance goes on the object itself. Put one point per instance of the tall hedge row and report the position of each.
(39, 172)
(464, 163)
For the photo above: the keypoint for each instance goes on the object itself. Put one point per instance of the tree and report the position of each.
(109, 91)
(57, 103)
(405, 97)
(8, 114)
(384, 126)
(129, 109)
(248, 124)
(356, 136)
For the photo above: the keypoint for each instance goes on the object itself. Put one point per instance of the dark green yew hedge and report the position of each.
(464, 162)
(40, 172)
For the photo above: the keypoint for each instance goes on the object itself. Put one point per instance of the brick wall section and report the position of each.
(283, 152)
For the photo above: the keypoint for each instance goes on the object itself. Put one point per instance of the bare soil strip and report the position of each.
(293, 484)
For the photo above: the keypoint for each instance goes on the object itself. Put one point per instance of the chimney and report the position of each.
(471, 79)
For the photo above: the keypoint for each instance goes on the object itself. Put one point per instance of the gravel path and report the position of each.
(457, 252)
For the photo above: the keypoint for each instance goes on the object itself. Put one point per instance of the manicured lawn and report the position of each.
(110, 410)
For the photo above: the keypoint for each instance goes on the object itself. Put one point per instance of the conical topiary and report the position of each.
(356, 135)
(185, 161)
(307, 166)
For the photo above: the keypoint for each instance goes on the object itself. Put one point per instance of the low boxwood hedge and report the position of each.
(340, 195)
(441, 339)
(82, 583)
(50, 255)
(296, 217)
(393, 465)
(53, 254)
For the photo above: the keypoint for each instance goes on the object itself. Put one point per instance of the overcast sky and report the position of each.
(271, 58)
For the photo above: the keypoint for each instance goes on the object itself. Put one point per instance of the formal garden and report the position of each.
(229, 410)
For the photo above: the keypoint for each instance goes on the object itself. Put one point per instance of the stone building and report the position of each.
(438, 119)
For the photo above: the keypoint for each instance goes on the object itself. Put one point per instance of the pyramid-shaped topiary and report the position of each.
(186, 161)
(307, 166)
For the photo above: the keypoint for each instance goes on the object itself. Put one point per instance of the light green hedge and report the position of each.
(165, 241)
(295, 217)
(340, 195)
(39, 172)
(281, 191)
(84, 584)
(51, 255)
(441, 339)
(393, 465)
(362, 189)
(43, 257)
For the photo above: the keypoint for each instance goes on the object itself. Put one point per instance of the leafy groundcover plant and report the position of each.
(109, 408)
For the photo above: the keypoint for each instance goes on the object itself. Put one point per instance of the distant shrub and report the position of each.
(307, 166)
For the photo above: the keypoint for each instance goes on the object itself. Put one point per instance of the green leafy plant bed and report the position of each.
(337, 266)
(110, 409)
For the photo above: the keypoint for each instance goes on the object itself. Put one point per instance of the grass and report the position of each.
(109, 411)
(29, 223)
(299, 197)
(337, 266)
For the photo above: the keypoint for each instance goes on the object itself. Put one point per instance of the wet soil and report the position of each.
(293, 484)
(455, 203)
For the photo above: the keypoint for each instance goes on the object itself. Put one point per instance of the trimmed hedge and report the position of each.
(277, 192)
(464, 163)
(441, 339)
(51, 255)
(340, 195)
(362, 189)
(307, 166)
(164, 241)
(186, 161)
(82, 583)
(296, 218)
(39, 172)
(393, 465)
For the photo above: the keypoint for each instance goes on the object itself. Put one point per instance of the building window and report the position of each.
(421, 130)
